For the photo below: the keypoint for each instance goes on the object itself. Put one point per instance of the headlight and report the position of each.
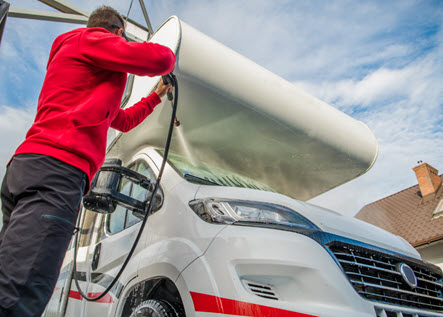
(227, 211)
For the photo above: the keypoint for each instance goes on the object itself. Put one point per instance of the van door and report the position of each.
(116, 236)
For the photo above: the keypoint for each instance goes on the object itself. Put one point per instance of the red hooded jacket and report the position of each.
(82, 91)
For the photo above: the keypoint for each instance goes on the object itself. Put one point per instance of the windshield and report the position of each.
(201, 173)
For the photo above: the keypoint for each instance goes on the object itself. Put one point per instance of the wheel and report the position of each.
(155, 308)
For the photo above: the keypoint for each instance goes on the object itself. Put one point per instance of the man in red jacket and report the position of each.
(51, 170)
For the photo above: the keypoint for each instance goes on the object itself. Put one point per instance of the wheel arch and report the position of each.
(159, 288)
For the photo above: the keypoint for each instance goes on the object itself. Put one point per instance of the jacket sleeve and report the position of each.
(109, 51)
(127, 119)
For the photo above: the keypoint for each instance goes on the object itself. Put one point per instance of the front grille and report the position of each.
(381, 312)
(374, 276)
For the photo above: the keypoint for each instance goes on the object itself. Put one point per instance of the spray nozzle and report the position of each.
(169, 79)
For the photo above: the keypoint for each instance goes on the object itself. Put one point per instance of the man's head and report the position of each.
(105, 17)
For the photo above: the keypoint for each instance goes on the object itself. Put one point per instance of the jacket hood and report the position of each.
(59, 41)
(63, 37)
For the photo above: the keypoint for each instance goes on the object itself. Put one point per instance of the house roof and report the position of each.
(408, 215)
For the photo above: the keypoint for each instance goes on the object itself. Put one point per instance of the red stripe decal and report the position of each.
(75, 295)
(106, 299)
(213, 304)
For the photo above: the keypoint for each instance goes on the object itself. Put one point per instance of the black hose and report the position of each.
(148, 212)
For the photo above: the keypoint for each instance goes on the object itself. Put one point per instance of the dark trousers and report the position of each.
(40, 201)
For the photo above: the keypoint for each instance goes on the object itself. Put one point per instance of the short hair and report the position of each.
(105, 17)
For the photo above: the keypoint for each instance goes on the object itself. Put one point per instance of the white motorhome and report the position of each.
(230, 233)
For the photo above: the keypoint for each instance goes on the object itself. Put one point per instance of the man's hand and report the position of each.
(162, 89)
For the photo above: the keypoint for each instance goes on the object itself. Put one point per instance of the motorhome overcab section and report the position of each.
(244, 252)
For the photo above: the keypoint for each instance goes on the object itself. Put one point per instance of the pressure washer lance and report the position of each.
(167, 79)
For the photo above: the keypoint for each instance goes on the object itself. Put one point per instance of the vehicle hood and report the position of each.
(349, 227)
(327, 220)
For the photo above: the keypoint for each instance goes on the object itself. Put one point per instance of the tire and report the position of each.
(155, 308)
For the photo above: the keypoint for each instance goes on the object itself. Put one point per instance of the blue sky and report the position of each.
(378, 61)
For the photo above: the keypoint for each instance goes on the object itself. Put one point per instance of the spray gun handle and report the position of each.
(168, 79)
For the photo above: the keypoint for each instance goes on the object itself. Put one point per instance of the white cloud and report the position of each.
(382, 85)
(14, 123)
(404, 109)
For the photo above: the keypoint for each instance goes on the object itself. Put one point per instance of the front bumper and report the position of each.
(264, 272)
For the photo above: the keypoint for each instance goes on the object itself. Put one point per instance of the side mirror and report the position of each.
(157, 204)
(103, 197)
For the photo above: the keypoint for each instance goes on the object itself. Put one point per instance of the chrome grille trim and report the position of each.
(393, 298)
(430, 282)
(383, 312)
(385, 298)
(371, 267)
(397, 290)
(371, 277)
(359, 257)
(374, 275)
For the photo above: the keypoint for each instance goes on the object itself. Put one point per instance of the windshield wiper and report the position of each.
(199, 180)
